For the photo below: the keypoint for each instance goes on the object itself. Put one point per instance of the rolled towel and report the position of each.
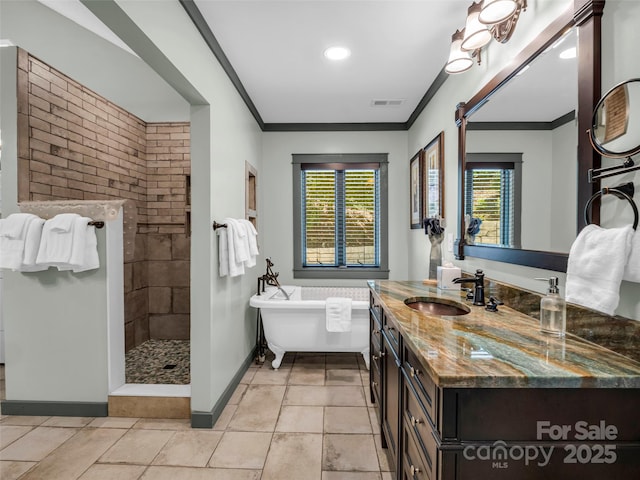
(338, 314)
(596, 265)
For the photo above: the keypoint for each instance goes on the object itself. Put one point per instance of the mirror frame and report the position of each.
(586, 16)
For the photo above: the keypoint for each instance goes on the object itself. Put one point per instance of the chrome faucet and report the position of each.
(478, 291)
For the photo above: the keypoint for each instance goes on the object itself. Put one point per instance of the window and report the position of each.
(493, 194)
(340, 210)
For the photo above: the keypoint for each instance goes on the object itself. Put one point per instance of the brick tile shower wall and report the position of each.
(75, 144)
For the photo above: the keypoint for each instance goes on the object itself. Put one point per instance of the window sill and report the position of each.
(341, 273)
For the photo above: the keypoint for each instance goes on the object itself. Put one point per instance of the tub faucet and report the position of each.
(271, 278)
(478, 291)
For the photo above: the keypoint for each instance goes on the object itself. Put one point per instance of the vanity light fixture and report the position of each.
(337, 53)
(486, 20)
(496, 11)
(459, 60)
(476, 34)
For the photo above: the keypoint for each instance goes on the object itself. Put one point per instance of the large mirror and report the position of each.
(520, 174)
(521, 171)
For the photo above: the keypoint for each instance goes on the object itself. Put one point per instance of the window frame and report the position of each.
(340, 272)
(484, 160)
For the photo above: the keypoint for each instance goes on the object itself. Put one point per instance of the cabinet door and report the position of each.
(391, 398)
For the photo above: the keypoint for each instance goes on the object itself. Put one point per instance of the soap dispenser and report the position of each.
(553, 310)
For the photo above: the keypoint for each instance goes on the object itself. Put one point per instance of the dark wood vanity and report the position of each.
(487, 396)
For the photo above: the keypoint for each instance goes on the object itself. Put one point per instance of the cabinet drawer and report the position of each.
(422, 383)
(417, 421)
(414, 467)
(392, 333)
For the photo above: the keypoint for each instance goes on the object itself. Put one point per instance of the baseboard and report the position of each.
(54, 409)
(208, 419)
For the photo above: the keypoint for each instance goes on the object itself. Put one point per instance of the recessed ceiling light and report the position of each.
(337, 53)
(568, 53)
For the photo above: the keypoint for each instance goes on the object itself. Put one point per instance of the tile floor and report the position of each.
(309, 420)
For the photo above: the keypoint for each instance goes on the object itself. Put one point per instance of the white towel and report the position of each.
(596, 265)
(338, 313)
(75, 249)
(55, 245)
(252, 242)
(84, 250)
(63, 222)
(13, 239)
(632, 270)
(235, 267)
(253, 237)
(241, 241)
(223, 252)
(31, 246)
(14, 226)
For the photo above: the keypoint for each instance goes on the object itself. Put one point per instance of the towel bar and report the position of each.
(619, 192)
(96, 224)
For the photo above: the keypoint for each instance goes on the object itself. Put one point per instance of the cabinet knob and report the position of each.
(414, 470)
(376, 332)
(413, 371)
(375, 357)
(415, 421)
(375, 384)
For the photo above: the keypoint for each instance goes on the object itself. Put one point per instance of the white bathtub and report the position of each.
(299, 325)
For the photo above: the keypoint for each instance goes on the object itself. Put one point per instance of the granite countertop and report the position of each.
(503, 349)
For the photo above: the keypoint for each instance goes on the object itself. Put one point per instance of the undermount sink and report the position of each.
(437, 306)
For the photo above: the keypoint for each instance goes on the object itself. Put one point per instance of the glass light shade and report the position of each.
(496, 11)
(459, 60)
(476, 34)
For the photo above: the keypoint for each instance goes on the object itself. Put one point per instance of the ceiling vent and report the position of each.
(387, 103)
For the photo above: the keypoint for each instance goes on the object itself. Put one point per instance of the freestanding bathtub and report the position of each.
(299, 324)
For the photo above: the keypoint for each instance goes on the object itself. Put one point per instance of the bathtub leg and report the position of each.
(279, 353)
(365, 355)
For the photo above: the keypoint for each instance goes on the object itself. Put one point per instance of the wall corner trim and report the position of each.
(208, 419)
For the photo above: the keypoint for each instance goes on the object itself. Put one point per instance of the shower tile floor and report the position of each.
(310, 420)
(159, 362)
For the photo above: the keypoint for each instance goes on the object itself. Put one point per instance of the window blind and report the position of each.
(490, 197)
(341, 216)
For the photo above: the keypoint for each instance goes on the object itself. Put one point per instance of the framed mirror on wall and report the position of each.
(522, 187)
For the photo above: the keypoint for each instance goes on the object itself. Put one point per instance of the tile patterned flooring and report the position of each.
(309, 420)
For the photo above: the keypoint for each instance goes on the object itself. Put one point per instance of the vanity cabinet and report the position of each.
(384, 376)
(501, 427)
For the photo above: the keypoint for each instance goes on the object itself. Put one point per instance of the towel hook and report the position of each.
(618, 192)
